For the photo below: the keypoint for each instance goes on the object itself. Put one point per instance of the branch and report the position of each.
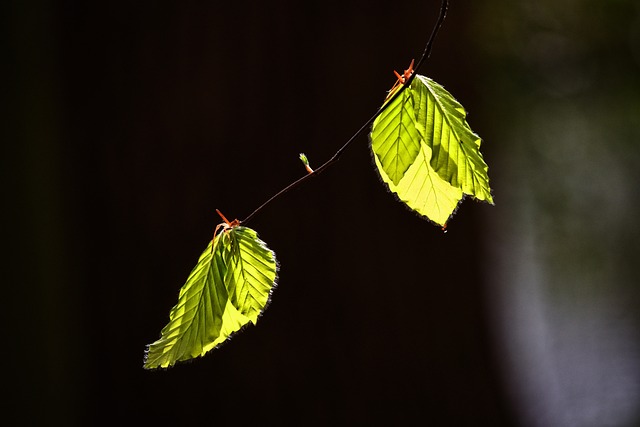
(425, 55)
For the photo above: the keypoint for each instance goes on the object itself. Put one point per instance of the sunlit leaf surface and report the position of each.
(426, 152)
(455, 148)
(395, 138)
(228, 288)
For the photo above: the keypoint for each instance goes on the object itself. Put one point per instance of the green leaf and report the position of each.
(432, 178)
(422, 189)
(395, 139)
(229, 287)
(455, 148)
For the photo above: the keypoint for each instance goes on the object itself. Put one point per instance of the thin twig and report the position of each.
(427, 52)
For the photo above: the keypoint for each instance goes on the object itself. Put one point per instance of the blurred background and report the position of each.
(126, 124)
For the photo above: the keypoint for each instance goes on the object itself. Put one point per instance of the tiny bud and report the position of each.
(305, 162)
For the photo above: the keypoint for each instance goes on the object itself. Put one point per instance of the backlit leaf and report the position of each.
(394, 137)
(455, 148)
(434, 175)
(423, 190)
(229, 287)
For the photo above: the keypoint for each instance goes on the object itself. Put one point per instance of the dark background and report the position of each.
(129, 123)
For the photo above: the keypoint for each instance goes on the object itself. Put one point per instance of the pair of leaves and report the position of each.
(228, 288)
(426, 152)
